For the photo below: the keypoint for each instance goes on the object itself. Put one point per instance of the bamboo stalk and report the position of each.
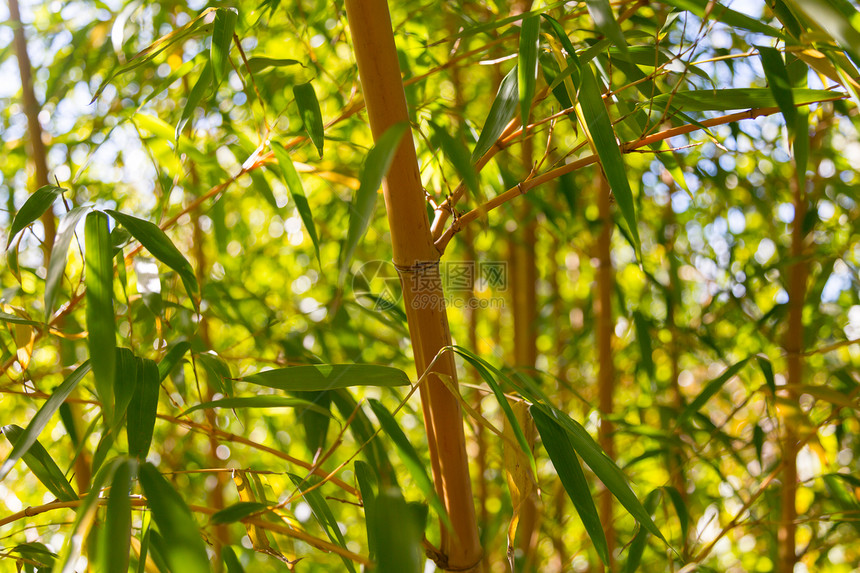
(604, 332)
(415, 256)
(797, 275)
(34, 128)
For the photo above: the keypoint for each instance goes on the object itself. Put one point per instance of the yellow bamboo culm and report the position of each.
(414, 251)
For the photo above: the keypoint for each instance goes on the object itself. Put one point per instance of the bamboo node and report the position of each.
(419, 267)
(520, 187)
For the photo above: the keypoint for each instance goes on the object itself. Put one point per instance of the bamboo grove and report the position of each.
(396, 287)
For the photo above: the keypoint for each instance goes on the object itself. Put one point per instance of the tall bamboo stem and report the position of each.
(797, 274)
(34, 128)
(414, 252)
(606, 371)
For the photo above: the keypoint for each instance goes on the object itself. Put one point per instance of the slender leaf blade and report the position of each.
(117, 528)
(186, 551)
(40, 420)
(709, 390)
(33, 208)
(42, 465)
(101, 323)
(172, 358)
(142, 409)
(309, 110)
(322, 513)
(527, 66)
(222, 38)
(319, 377)
(502, 111)
(259, 402)
(237, 512)
(560, 450)
(297, 193)
(60, 256)
(376, 166)
(160, 246)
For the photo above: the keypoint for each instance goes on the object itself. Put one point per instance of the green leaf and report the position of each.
(398, 534)
(260, 63)
(318, 377)
(160, 246)
(637, 546)
(363, 432)
(33, 208)
(727, 16)
(322, 513)
(680, 508)
(116, 544)
(60, 256)
(643, 337)
(37, 552)
(309, 109)
(834, 22)
(217, 371)
(527, 66)
(560, 450)
(767, 371)
(185, 551)
(238, 511)
(231, 561)
(84, 517)
(193, 100)
(222, 38)
(779, 84)
(376, 166)
(502, 111)
(709, 390)
(604, 19)
(100, 315)
(410, 458)
(42, 465)
(741, 98)
(125, 383)
(487, 371)
(259, 402)
(15, 319)
(603, 136)
(366, 479)
(602, 466)
(143, 408)
(40, 420)
(172, 358)
(457, 153)
(297, 193)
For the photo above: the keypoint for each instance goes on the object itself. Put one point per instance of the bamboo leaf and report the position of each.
(33, 208)
(376, 166)
(101, 323)
(366, 479)
(779, 84)
(42, 465)
(186, 551)
(398, 534)
(602, 466)
(457, 153)
(727, 16)
(217, 371)
(502, 111)
(740, 98)
(560, 450)
(238, 511)
(527, 66)
(322, 514)
(222, 38)
(297, 193)
(160, 246)
(193, 100)
(834, 21)
(15, 319)
(363, 432)
(319, 377)
(260, 63)
(142, 409)
(84, 517)
(259, 402)
(604, 19)
(486, 371)
(60, 256)
(603, 137)
(116, 545)
(172, 358)
(309, 110)
(709, 390)
(410, 458)
(637, 546)
(680, 508)
(40, 420)
(125, 382)
(767, 370)
(231, 562)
